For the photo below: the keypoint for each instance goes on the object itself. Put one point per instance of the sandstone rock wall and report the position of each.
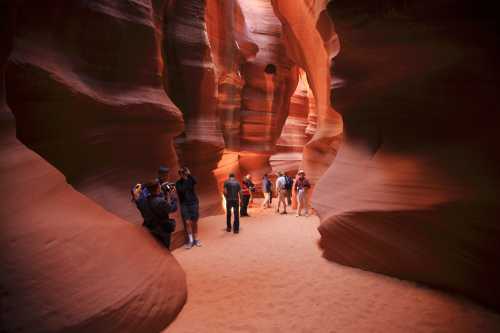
(89, 99)
(192, 84)
(85, 102)
(413, 191)
(266, 95)
(312, 44)
(69, 265)
(297, 130)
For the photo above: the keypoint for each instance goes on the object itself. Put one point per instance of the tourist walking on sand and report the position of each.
(189, 206)
(266, 189)
(246, 190)
(232, 193)
(281, 191)
(302, 185)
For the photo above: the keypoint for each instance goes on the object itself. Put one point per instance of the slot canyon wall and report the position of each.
(105, 91)
(93, 106)
(312, 43)
(414, 189)
(98, 94)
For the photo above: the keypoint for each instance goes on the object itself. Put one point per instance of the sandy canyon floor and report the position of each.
(271, 278)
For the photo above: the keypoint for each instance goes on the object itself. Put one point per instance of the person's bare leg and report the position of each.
(299, 203)
(284, 202)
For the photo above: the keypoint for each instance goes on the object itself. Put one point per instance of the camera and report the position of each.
(167, 187)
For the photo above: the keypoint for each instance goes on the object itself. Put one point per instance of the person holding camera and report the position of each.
(246, 190)
(167, 188)
(189, 206)
(155, 210)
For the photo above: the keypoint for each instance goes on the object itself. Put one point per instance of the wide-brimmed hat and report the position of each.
(301, 172)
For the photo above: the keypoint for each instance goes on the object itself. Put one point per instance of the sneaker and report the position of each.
(228, 229)
(236, 231)
(283, 213)
(197, 243)
(188, 245)
(297, 215)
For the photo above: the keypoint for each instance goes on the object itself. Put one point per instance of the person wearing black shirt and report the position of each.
(247, 189)
(155, 211)
(232, 193)
(189, 206)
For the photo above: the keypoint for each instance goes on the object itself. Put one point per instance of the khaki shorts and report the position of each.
(283, 194)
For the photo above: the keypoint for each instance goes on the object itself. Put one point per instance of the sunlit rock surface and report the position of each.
(413, 191)
(312, 43)
(297, 130)
(192, 85)
(270, 80)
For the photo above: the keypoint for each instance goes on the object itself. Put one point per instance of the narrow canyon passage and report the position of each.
(272, 278)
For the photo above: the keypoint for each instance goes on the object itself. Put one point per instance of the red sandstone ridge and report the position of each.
(413, 191)
(192, 84)
(297, 130)
(68, 264)
(312, 44)
(85, 84)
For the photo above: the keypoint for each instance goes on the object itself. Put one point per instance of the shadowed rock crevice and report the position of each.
(413, 190)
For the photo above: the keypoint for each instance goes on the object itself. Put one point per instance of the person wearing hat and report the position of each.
(302, 185)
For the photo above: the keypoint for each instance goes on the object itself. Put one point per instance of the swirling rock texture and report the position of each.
(86, 99)
(312, 43)
(297, 130)
(413, 191)
(69, 265)
(270, 80)
(231, 46)
(192, 84)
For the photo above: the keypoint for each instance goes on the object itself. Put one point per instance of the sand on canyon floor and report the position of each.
(271, 278)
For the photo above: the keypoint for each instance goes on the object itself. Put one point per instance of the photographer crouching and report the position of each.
(155, 210)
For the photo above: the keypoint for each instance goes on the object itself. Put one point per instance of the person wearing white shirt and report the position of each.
(282, 191)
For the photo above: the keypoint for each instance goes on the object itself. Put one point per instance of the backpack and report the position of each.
(138, 192)
(288, 182)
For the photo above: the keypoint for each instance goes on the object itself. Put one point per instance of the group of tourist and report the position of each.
(157, 199)
(234, 193)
